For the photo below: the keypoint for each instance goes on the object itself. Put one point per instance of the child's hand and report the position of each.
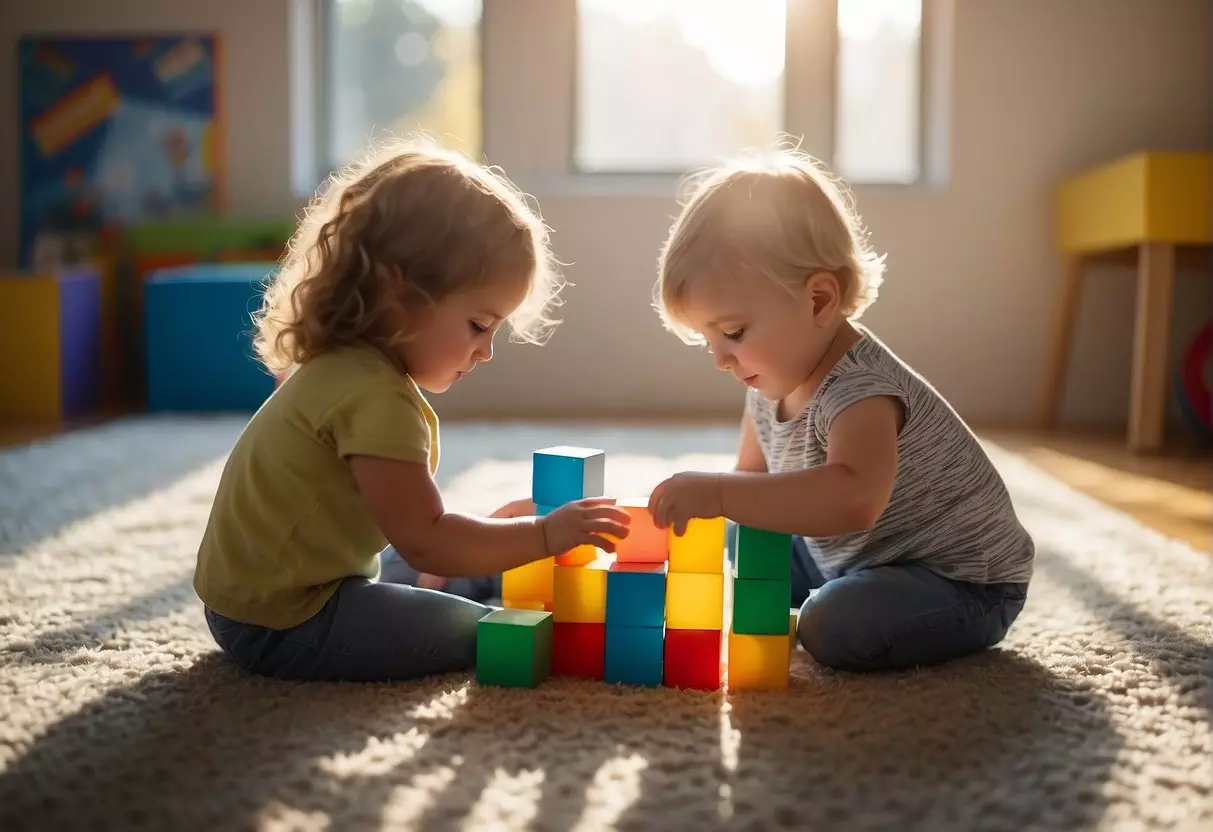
(517, 508)
(584, 523)
(683, 497)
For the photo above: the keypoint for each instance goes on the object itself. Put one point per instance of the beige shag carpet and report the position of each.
(117, 711)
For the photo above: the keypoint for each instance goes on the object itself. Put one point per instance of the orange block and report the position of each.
(579, 556)
(645, 542)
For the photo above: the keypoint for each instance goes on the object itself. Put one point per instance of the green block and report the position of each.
(760, 607)
(514, 648)
(763, 554)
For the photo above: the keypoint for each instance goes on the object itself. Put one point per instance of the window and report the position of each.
(667, 85)
(659, 86)
(877, 115)
(402, 66)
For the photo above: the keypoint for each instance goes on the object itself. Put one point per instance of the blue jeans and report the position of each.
(896, 616)
(368, 631)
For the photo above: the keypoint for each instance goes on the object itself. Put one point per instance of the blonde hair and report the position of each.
(408, 224)
(779, 214)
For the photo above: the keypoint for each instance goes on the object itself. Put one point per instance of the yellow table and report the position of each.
(1153, 207)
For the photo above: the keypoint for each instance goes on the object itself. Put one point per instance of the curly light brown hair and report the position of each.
(403, 227)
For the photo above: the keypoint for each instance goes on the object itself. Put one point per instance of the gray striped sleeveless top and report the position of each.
(949, 511)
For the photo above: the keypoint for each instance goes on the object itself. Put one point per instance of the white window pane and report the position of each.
(404, 66)
(878, 90)
(667, 85)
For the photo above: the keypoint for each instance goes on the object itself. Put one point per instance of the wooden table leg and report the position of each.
(1151, 341)
(1064, 318)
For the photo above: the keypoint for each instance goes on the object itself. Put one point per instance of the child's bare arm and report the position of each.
(749, 455)
(407, 505)
(846, 494)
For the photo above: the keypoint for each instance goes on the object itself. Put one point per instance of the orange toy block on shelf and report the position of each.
(579, 592)
(524, 586)
(645, 542)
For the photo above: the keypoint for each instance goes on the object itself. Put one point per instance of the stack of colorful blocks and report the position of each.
(652, 614)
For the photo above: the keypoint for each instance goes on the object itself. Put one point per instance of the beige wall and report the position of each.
(1039, 89)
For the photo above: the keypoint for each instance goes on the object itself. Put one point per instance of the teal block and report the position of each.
(636, 594)
(564, 473)
(514, 648)
(762, 554)
(543, 511)
(634, 655)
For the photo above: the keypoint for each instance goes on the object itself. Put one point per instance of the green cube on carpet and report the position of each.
(760, 607)
(763, 554)
(514, 648)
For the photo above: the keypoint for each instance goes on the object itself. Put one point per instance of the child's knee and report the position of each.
(834, 633)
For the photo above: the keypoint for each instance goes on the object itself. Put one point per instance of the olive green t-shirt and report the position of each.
(288, 523)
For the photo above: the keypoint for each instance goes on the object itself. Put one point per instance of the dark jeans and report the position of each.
(368, 631)
(897, 616)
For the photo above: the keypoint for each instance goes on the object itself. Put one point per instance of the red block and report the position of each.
(578, 649)
(692, 659)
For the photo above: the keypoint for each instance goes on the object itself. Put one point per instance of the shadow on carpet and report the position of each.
(995, 741)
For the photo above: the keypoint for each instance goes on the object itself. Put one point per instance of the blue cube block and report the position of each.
(636, 595)
(634, 655)
(199, 338)
(541, 511)
(564, 473)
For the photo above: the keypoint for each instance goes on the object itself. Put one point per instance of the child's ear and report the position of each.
(823, 294)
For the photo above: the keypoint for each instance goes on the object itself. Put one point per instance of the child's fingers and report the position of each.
(655, 498)
(609, 513)
(594, 502)
(604, 526)
(603, 543)
(660, 514)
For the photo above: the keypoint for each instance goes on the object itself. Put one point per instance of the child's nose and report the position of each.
(483, 353)
(724, 361)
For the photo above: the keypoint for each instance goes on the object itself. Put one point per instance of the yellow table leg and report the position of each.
(1151, 338)
(1065, 317)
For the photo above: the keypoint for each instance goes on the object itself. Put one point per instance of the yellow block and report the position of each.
(759, 662)
(581, 591)
(526, 605)
(1155, 196)
(694, 601)
(528, 584)
(701, 548)
(30, 360)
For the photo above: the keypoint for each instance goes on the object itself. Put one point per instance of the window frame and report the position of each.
(545, 158)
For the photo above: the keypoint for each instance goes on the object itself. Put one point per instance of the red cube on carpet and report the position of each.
(578, 649)
(692, 659)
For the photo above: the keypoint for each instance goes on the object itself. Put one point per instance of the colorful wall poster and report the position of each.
(114, 130)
